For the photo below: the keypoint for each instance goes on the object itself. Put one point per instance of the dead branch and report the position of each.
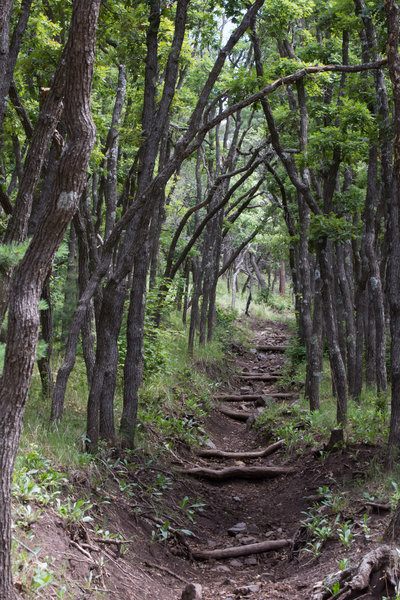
(238, 455)
(271, 348)
(377, 506)
(253, 397)
(238, 415)
(241, 550)
(244, 472)
(258, 377)
(165, 570)
(238, 397)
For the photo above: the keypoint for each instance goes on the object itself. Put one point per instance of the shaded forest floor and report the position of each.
(320, 506)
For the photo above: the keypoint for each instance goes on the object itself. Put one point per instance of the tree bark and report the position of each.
(226, 473)
(241, 550)
(134, 363)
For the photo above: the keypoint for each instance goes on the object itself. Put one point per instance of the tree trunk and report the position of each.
(282, 279)
(194, 313)
(348, 305)
(133, 368)
(335, 356)
(100, 416)
(44, 364)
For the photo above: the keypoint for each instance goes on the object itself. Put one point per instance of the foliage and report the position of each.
(226, 318)
(36, 480)
(11, 255)
(331, 227)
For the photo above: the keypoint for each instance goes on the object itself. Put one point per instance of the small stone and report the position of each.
(245, 540)
(222, 568)
(235, 563)
(250, 561)
(212, 543)
(268, 534)
(237, 498)
(244, 390)
(210, 444)
(192, 591)
(245, 590)
(253, 528)
(267, 576)
(238, 528)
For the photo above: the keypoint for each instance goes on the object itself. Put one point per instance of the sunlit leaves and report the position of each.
(331, 227)
(280, 14)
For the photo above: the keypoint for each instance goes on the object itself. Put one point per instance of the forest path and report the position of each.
(242, 514)
(254, 521)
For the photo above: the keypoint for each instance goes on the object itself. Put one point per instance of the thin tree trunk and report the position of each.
(282, 279)
(194, 313)
(335, 355)
(348, 306)
(133, 368)
(44, 364)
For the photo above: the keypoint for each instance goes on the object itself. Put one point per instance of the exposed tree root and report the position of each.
(378, 506)
(383, 561)
(226, 473)
(258, 377)
(238, 415)
(254, 397)
(256, 454)
(240, 550)
(269, 348)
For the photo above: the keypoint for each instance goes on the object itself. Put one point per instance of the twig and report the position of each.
(128, 575)
(166, 570)
(84, 552)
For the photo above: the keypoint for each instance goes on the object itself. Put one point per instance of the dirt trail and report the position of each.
(240, 515)
(245, 512)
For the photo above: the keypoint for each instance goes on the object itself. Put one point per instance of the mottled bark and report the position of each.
(110, 186)
(335, 356)
(348, 311)
(194, 312)
(133, 367)
(46, 324)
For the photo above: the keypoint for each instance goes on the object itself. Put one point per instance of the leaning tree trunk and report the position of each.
(23, 319)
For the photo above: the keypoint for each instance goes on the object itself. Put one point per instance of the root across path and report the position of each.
(251, 539)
